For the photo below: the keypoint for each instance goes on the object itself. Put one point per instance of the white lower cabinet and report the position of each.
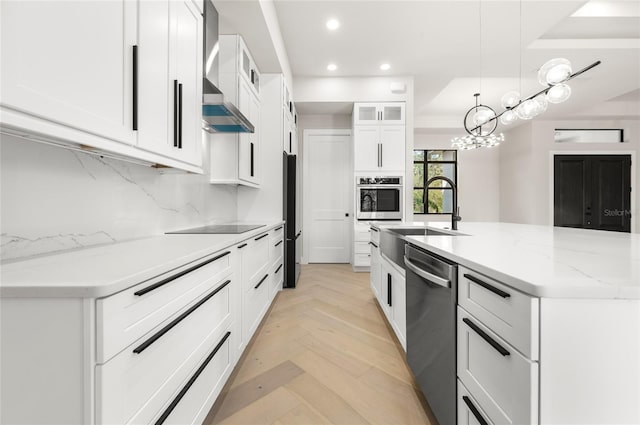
(158, 352)
(469, 412)
(389, 286)
(361, 247)
(375, 268)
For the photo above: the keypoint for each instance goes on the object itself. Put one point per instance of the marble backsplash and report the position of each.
(55, 199)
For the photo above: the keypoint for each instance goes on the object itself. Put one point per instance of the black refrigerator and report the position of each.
(293, 240)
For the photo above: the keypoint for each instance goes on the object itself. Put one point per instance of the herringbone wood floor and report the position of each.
(323, 355)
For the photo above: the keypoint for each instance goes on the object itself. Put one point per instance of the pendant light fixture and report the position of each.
(553, 75)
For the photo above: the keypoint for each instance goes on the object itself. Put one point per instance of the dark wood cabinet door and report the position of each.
(593, 192)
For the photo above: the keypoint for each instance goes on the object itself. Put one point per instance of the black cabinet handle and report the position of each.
(242, 246)
(277, 228)
(389, 289)
(485, 285)
(499, 348)
(251, 166)
(278, 269)
(176, 276)
(180, 116)
(140, 348)
(261, 237)
(189, 383)
(474, 410)
(374, 229)
(372, 243)
(175, 113)
(290, 142)
(261, 280)
(253, 76)
(134, 88)
(279, 242)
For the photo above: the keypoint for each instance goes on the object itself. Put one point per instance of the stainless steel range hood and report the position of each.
(218, 115)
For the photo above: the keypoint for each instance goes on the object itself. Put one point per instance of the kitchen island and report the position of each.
(547, 322)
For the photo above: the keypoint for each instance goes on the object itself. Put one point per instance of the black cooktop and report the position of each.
(220, 229)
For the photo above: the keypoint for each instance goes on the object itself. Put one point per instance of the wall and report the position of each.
(54, 199)
(526, 168)
(478, 178)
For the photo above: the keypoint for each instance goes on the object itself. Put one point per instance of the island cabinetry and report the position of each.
(276, 261)
(361, 246)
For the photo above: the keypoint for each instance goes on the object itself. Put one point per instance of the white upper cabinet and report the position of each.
(249, 164)
(119, 76)
(170, 79)
(70, 63)
(379, 148)
(379, 113)
(248, 68)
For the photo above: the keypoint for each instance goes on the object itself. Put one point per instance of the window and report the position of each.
(439, 193)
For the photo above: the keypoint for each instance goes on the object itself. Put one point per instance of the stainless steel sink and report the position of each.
(393, 240)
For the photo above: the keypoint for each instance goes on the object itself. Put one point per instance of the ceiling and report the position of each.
(456, 48)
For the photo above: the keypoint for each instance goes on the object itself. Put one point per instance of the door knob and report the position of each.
(346, 214)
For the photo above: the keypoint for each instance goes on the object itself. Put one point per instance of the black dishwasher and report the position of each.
(432, 288)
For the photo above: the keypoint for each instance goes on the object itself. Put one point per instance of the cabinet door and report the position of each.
(392, 148)
(155, 90)
(287, 136)
(365, 113)
(71, 63)
(186, 60)
(367, 148)
(250, 168)
(391, 113)
(399, 307)
(245, 166)
(386, 282)
(375, 269)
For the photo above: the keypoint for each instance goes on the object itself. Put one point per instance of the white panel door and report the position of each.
(71, 63)
(327, 195)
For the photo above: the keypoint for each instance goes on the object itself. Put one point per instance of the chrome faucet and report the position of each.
(454, 212)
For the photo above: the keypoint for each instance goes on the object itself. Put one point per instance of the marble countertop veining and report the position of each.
(544, 261)
(101, 271)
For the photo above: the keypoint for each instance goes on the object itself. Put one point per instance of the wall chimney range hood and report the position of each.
(218, 115)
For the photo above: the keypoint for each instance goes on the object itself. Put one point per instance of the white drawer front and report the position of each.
(278, 232)
(469, 410)
(362, 236)
(276, 251)
(505, 384)
(277, 278)
(509, 313)
(362, 260)
(125, 317)
(375, 235)
(134, 385)
(255, 304)
(255, 259)
(195, 398)
(362, 248)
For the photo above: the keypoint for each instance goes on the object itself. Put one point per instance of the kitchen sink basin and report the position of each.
(393, 239)
(418, 231)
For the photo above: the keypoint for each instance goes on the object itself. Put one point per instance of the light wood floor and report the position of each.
(323, 355)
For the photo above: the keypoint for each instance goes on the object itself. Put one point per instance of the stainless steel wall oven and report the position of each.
(379, 198)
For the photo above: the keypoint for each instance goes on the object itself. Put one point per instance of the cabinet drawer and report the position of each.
(502, 380)
(469, 410)
(255, 259)
(195, 398)
(277, 279)
(276, 251)
(362, 260)
(128, 315)
(278, 232)
(362, 236)
(375, 235)
(133, 386)
(255, 303)
(362, 248)
(509, 313)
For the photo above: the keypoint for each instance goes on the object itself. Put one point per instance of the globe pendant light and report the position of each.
(554, 72)
(558, 93)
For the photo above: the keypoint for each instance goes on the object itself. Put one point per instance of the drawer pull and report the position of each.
(176, 276)
(278, 228)
(499, 348)
(140, 348)
(474, 410)
(261, 280)
(279, 242)
(374, 229)
(278, 269)
(486, 286)
(371, 243)
(188, 385)
(260, 237)
(242, 246)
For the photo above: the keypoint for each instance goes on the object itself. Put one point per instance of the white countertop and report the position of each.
(104, 270)
(543, 261)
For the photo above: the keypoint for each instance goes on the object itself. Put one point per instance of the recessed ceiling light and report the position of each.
(385, 66)
(333, 24)
(332, 67)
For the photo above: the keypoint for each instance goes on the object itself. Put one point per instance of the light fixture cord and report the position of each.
(520, 51)
(480, 40)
